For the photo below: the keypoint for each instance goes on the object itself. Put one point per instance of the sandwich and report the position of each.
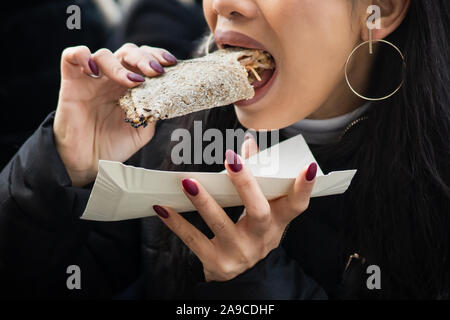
(217, 79)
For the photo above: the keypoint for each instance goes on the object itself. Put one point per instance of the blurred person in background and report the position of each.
(176, 25)
(35, 32)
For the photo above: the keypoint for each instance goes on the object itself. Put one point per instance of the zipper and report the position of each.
(354, 122)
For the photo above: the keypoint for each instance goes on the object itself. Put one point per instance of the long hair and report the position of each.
(398, 206)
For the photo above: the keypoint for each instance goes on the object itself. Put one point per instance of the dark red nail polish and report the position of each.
(312, 171)
(233, 161)
(135, 77)
(161, 211)
(156, 66)
(93, 66)
(169, 57)
(190, 187)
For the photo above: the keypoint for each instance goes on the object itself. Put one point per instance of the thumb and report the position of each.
(249, 147)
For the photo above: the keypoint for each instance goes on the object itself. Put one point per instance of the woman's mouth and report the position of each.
(265, 76)
(261, 65)
(261, 68)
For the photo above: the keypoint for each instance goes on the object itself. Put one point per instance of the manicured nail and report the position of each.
(248, 136)
(190, 186)
(161, 211)
(135, 77)
(169, 57)
(233, 161)
(156, 66)
(312, 171)
(93, 66)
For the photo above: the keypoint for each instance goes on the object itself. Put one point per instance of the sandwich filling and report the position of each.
(260, 67)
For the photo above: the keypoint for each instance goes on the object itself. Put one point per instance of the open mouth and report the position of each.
(261, 69)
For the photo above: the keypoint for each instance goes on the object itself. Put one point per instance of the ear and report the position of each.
(393, 12)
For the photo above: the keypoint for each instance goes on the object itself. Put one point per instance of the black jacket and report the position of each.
(41, 235)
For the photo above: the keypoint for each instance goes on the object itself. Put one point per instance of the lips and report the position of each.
(236, 39)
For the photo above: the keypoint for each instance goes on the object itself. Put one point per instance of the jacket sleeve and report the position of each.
(276, 277)
(41, 234)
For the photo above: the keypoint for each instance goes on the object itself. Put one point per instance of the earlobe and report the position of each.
(392, 12)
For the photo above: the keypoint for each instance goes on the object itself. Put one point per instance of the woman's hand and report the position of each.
(238, 247)
(89, 125)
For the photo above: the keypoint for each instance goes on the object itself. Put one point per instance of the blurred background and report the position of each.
(34, 34)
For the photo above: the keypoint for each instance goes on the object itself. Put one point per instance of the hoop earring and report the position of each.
(370, 42)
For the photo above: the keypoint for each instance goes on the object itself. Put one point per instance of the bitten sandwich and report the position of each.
(218, 79)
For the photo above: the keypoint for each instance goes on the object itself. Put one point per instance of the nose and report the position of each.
(231, 9)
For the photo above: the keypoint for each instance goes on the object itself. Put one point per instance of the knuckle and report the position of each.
(226, 270)
(259, 211)
(67, 52)
(218, 226)
(149, 48)
(75, 51)
(82, 49)
(243, 182)
(128, 45)
(116, 70)
(103, 52)
(143, 66)
(201, 202)
(263, 216)
(188, 239)
(125, 50)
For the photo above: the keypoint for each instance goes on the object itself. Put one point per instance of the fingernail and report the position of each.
(312, 171)
(248, 136)
(135, 77)
(233, 161)
(190, 186)
(93, 66)
(156, 66)
(161, 211)
(169, 57)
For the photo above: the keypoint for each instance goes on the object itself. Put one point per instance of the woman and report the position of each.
(394, 216)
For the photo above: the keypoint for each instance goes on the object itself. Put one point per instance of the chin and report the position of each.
(261, 119)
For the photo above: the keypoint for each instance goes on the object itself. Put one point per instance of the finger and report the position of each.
(80, 57)
(256, 204)
(297, 200)
(190, 235)
(139, 59)
(113, 69)
(213, 214)
(249, 147)
(163, 56)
